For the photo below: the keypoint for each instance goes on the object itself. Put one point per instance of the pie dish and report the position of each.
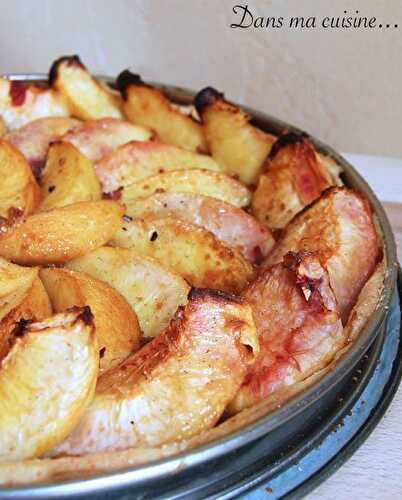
(259, 256)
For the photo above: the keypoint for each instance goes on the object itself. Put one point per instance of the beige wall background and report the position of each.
(342, 85)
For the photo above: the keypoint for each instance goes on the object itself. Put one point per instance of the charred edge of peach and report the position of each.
(84, 314)
(125, 79)
(205, 293)
(57, 142)
(73, 60)
(287, 139)
(20, 328)
(207, 97)
(113, 195)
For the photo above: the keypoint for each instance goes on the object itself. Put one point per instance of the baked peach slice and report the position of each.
(97, 138)
(47, 380)
(197, 181)
(61, 234)
(238, 146)
(176, 386)
(153, 291)
(137, 160)
(339, 228)
(228, 223)
(22, 296)
(34, 138)
(116, 325)
(148, 106)
(21, 103)
(88, 98)
(19, 192)
(188, 250)
(68, 177)
(299, 328)
(293, 178)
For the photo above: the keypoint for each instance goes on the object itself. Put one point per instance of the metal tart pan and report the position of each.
(261, 450)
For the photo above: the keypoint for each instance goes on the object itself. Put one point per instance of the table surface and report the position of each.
(375, 470)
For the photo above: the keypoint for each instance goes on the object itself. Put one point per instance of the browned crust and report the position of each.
(85, 315)
(20, 328)
(73, 60)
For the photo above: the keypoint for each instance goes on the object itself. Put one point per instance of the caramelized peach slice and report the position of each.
(298, 325)
(188, 250)
(116, 325)
(34, 138)
(228, 223)
(137, 160)
(61, 234)
(97, 138)
(177, 385)
(339, 228)
(88, 98)
(153, 291)
(150, 107)
(19, 192)
(238, 146)
(47, 381)
(293, 178)
(196, 180)
(22, 296)
(68, 177)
